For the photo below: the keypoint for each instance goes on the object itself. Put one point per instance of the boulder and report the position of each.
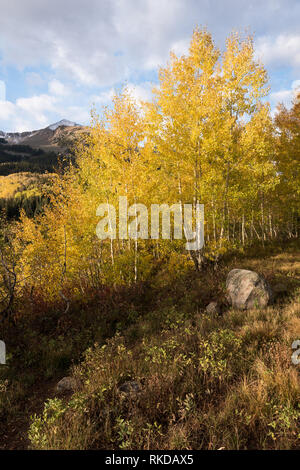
(67, 384)
(213, 308)
(247, 290)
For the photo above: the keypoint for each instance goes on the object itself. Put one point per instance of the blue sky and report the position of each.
(59, 58)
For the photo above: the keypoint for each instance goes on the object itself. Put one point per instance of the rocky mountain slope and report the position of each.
(51, 137)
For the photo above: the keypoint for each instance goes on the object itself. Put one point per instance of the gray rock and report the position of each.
(67, 384)
(213, 308)
(130, 387)
(247, 290)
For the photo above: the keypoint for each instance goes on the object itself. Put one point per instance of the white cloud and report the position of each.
(282, 50)
(37, 106)
(79, 114)
(57, 88)
(7, 110)
(286, 96)
(26, 114)
(140, 92)
(296, 85)
(282, 96)
(94, 44)
(103, 98)
(67, 62)
(181, 47)
(79, 40)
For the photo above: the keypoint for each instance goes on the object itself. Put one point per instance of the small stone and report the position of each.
(130, 387)
(67, 384)
(213, 308)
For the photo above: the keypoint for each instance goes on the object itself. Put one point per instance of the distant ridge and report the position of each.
(46, 138)
(63, 122)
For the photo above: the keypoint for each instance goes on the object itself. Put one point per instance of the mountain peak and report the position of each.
(63, 122)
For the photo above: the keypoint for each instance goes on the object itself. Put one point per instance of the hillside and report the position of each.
(15, 158)
(24, 191)
(26, 158)
(38, 151)
(49, 138)
(206, 381)
(14, 184)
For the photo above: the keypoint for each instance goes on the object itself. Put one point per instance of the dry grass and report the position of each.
(206, 382)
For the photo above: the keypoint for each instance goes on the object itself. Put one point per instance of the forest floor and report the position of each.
(248, 396)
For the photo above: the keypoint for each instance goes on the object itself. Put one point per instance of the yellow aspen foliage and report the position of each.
(206, 137)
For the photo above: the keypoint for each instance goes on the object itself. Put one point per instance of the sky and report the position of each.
(59, 58)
